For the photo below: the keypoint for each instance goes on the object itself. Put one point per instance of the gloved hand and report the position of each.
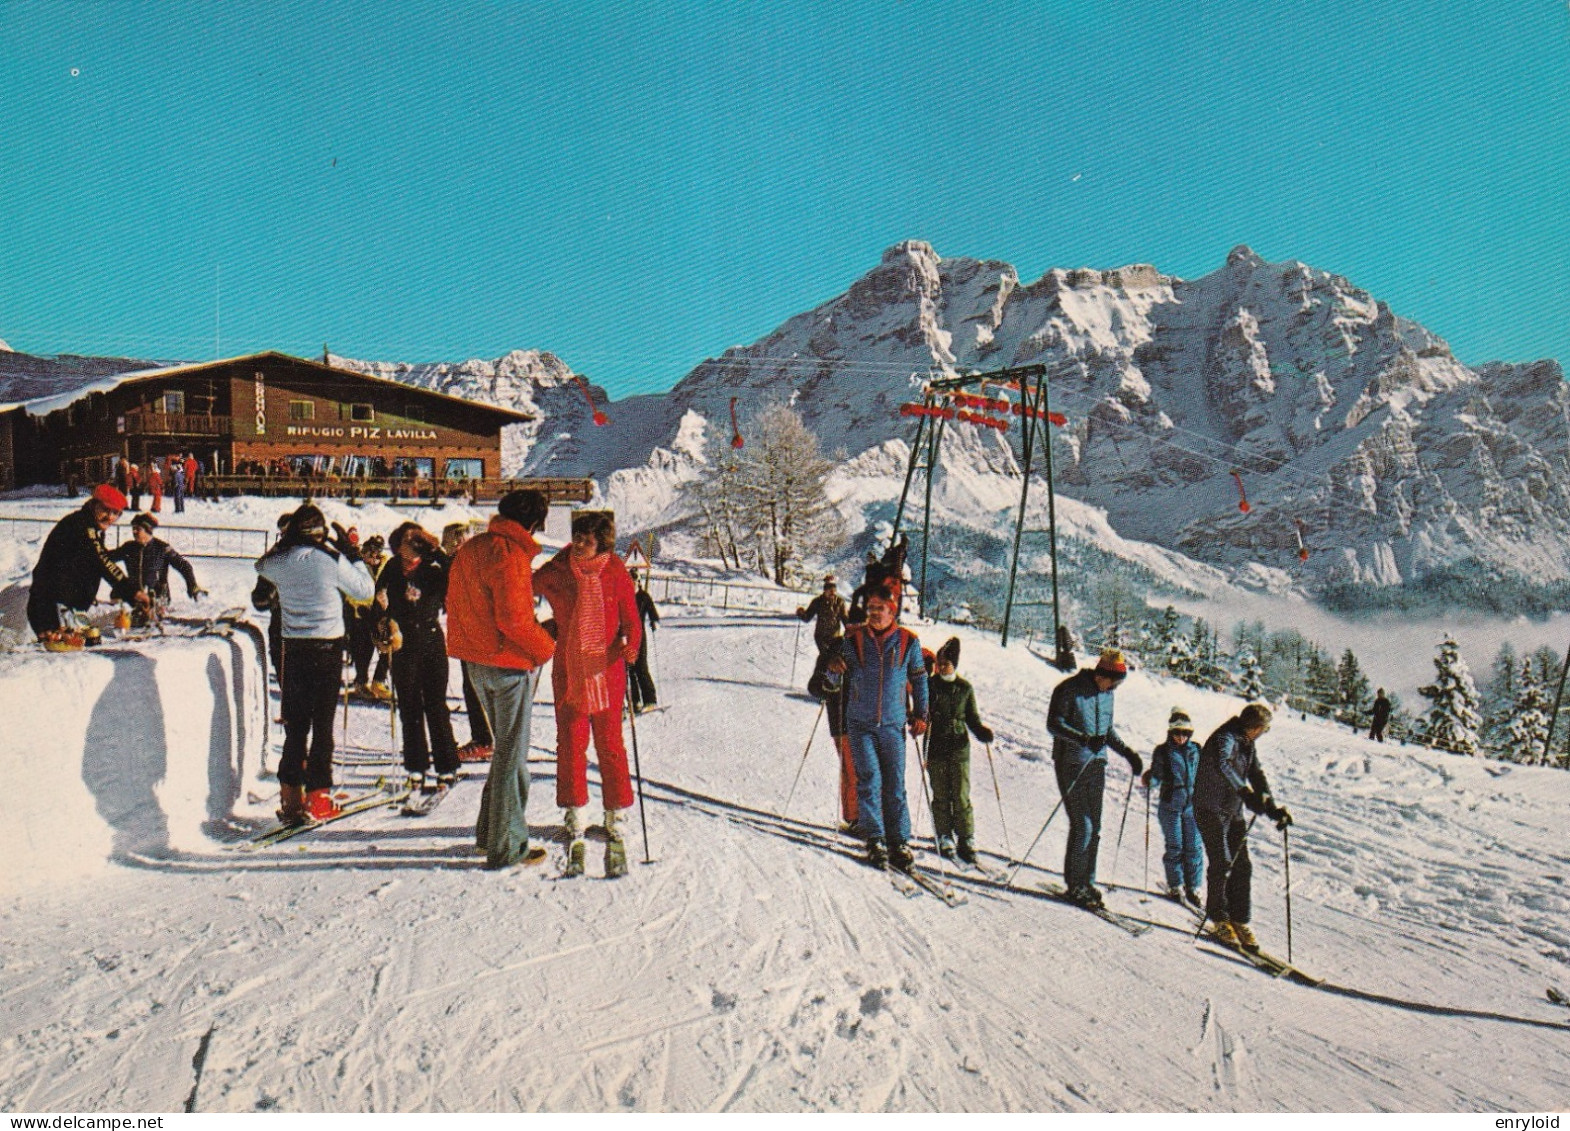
(195, 591)
(550, 627)
(985, 734)
(801, 611)
(837, 665)
(1144, 779)
(918, 727)
(1095, 745)
(1281, 815)
(1136, 764)
(343, 543)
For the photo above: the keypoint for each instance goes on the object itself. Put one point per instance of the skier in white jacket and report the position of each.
(311, 577)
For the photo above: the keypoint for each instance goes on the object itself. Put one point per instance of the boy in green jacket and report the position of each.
(954, 718)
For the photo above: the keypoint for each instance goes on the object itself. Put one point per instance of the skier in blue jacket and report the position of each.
(1173, 765)
(1080, 721)
(880, 662)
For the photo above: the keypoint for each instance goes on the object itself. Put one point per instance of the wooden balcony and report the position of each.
(176, 424)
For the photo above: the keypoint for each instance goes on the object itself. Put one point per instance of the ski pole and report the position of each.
(996, 792)
(795, 653)
(345, 690)
(804, 753)
(926, 790)
(1021, 862)
(1146, 882)
(637, 770)
(1123, 824)
(1286, 858)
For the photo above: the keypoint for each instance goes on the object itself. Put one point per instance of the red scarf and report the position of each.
(587, 688)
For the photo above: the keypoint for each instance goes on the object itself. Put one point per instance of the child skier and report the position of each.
(1172, 765)
(954, 718)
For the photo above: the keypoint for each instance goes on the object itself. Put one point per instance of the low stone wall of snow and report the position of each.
(130, 749)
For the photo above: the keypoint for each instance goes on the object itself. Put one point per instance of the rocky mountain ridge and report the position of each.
(1348, 427)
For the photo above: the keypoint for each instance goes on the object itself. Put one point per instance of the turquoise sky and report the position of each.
(638, 186)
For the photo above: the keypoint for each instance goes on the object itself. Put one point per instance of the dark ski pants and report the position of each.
(479, 724)
(1184, 859)
(879, 757)
(312, 676)
(506, 697)
(419, 671)
(827, 650)
(1227, 895)
(951, 812)
(1081, 790)
(362, 643)
(640, 683)
(1377, 732)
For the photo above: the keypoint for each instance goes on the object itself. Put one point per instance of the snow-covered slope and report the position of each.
(374, 966)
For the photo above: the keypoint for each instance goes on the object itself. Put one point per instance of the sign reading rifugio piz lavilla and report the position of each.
(372, 432)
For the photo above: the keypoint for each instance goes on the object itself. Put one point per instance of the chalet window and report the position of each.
(465, 469)
(302, 410)
(174, 403)
(362, 413)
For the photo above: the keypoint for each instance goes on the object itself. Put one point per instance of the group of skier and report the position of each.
(327, 592)
(876, 683)
(324, 589)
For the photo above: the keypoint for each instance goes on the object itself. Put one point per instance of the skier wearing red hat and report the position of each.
(74, 561)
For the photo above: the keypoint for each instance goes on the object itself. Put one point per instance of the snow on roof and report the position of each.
(43, 406)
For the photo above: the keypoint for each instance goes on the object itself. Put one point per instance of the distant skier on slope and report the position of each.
(954, 719)
(1381, 716)
(1080, 722)
(1172, 765)
(640, 681)
(309, 576)
(828, 611)
(879, 661)
(1228, 779)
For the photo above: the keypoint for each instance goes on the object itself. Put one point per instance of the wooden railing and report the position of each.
(427, 491)
(176, 424)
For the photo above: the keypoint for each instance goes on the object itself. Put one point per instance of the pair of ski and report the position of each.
(912, 881)
(379, 797)
(1134, 927)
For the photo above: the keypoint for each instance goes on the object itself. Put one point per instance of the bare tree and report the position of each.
(783, 472)
(718, 496)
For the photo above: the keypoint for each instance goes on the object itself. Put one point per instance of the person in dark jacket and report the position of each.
(1080, 722)
(73, 562)
(827, 610)
(147, 561)
(1172, 765)
(362, 625)
(640, 681)
(1381, 718)
(1230, 778)
(954, 719)
(412, 588)
(881, 666)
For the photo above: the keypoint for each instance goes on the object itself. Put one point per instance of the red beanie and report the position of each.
(1112, 663)
(109, 496)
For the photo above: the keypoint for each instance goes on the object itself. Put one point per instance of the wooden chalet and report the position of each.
(269, 423)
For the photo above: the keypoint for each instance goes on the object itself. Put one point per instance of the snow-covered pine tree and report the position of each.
(1323, 686)
(1352, 690)
(1499, 695)
(1177, 658)
(1525, 733)
(1454, 714)
(1251, 675)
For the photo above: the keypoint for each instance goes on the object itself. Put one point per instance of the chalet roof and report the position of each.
(43, 406)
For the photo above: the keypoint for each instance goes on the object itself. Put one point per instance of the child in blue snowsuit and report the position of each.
(1172, 765)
